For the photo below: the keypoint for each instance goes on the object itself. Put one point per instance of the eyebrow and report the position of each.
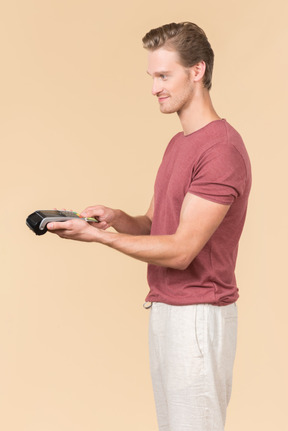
(164, 72)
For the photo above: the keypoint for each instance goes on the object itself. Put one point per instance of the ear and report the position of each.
(198, 71)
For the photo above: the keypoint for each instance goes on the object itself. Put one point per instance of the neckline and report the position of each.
(204, 127)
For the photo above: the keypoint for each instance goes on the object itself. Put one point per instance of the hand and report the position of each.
(76, 229)
(106, 216)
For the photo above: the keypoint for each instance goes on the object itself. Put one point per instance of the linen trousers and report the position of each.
(192, 350)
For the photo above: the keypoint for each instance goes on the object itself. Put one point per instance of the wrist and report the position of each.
(103, 237)
(117, 219)
(117, 215)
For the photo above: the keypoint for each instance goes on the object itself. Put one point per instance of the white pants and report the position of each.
(192, 350)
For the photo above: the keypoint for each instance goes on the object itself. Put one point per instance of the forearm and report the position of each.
(124, 223)
(164, 250)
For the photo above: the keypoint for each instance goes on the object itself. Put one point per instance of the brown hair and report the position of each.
(188, 40)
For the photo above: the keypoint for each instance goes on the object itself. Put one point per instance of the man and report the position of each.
(189, 237)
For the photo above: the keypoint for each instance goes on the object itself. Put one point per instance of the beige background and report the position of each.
(78, 127)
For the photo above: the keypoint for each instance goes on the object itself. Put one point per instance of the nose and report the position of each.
(157, 86)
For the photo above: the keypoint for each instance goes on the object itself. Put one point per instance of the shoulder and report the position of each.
(225, 142)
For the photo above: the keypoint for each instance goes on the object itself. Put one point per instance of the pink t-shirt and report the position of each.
(211, 163)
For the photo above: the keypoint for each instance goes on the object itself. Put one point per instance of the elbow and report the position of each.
(182, 266)
(182, 262)
(181, 253)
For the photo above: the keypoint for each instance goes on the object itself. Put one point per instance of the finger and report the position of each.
(100, 225)
(60, 225)
(95, 211)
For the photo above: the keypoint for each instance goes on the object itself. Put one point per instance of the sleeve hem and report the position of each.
(214, 199)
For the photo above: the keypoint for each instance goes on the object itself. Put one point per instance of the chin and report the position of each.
(167, 110)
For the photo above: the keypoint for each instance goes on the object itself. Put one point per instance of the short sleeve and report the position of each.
(219, 175)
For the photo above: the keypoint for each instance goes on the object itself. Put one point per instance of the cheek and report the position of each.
(181, 87)
(186, 90)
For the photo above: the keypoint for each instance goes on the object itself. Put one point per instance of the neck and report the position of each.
(198, 113)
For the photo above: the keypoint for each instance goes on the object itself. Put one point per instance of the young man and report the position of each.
(189, 237)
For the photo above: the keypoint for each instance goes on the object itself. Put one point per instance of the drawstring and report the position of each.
(147, 305)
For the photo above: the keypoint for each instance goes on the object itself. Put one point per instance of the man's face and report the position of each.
(172, 83)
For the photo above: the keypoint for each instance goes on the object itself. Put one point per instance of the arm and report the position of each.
(199, 219)
(120, 221)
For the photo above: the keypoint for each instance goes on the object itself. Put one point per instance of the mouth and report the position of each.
(162, 98)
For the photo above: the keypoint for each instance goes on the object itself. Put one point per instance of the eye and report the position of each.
(163, 77)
